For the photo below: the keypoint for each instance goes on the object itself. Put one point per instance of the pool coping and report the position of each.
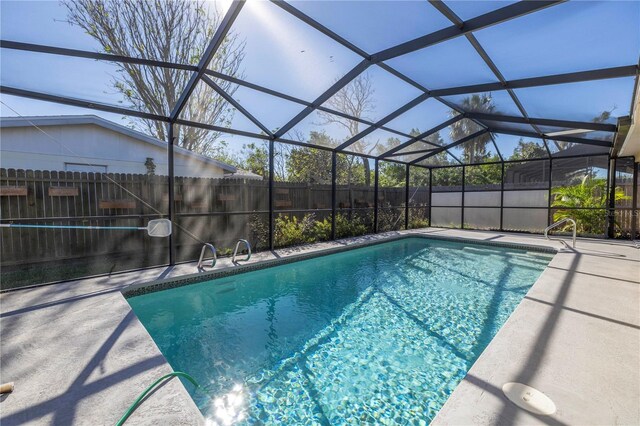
(139, 289)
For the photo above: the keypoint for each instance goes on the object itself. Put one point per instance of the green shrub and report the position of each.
(291, 231)
(322, 229)
(288, 232)
(224, 251)
(418, 218)
(346, 227)
(590, 194)
(259, 231)
(390, 219)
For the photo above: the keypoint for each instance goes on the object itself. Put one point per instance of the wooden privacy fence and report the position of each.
(73, 198)
(219, 210)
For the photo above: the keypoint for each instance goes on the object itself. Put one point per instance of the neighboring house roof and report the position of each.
(63, 120)
(246, 174)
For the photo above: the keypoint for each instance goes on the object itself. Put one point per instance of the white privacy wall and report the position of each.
(448, 216)
(517, 218)
(523, 210)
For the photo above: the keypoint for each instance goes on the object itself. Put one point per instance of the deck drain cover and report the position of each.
(529, 398)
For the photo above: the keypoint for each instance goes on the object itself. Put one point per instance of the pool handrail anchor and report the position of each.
(558, 223)
(202, 252)
(235, 252)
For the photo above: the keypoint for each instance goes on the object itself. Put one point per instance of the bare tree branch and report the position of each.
(355, 99)
(174, 31)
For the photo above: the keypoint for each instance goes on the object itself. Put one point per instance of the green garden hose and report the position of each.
(136, 403)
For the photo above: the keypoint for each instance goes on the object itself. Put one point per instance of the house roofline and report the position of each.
(62, 120)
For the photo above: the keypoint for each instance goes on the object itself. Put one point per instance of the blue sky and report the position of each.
(287, 55)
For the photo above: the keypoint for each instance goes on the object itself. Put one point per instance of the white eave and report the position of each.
(631, 144)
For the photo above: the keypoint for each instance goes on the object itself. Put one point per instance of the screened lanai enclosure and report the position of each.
(287, 123)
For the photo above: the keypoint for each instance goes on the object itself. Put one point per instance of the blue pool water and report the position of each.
(381, 334)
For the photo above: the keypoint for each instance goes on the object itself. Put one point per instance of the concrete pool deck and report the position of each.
(78, 354)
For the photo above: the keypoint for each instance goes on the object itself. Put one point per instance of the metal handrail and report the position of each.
(235, 252)
(560, 222)
(204, 249)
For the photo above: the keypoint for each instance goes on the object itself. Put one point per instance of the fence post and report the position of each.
(172, 208)
(271, 171)
(502, 196)
(334, 166)
(462, 200)
(611, 198)
(245, 195)
(430, 194)
(549, 215)
(406, 198)
(375, 197)
(634, 200)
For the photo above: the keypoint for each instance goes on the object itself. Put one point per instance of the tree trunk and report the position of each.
(367, 171)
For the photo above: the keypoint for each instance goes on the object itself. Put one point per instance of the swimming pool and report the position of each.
(380, 334)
